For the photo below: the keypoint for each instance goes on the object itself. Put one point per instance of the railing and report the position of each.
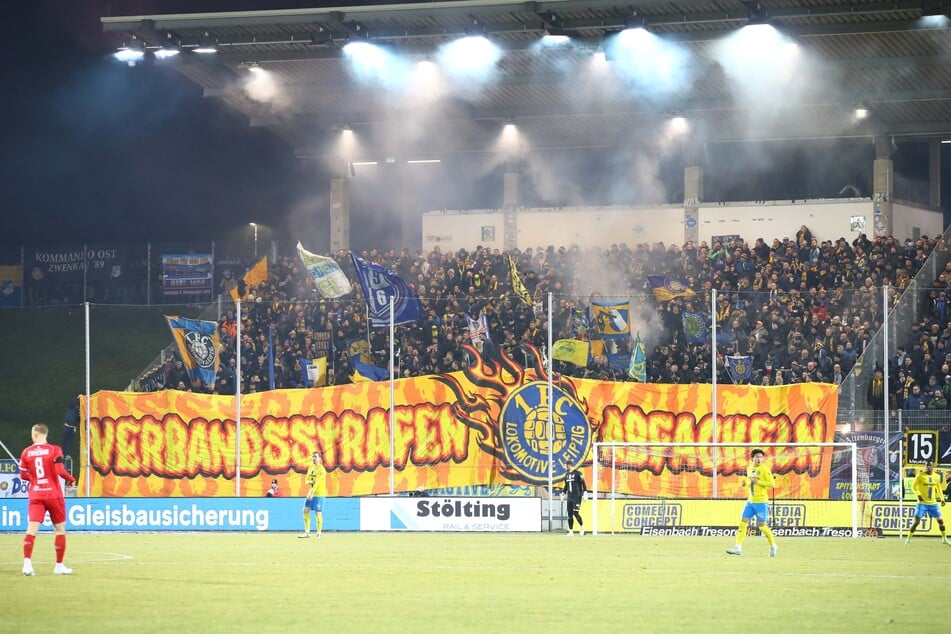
(905, 311)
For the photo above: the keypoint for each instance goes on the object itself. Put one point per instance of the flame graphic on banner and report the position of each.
(510, 415)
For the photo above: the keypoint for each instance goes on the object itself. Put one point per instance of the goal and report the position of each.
(696, 488)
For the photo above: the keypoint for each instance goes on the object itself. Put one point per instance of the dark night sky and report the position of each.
(97, 152)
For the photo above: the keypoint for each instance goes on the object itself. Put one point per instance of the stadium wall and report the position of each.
(710, 518)
(598, 226)
(912, 222)
(719, 518)
(259, 514)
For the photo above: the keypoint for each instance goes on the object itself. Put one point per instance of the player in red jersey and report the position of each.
(41, 464)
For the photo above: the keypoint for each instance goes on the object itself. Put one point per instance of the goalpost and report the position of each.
(662, 474)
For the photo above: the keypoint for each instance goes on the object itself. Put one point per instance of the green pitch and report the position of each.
(472, 583)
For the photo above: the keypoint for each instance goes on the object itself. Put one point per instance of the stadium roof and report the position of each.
(892, 58)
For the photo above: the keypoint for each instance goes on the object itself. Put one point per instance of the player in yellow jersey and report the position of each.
(317, 481)
(757, 504)
(927, 487)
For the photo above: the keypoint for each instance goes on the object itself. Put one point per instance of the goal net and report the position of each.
(699, 488)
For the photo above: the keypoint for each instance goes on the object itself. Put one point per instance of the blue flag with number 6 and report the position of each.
(379, 286)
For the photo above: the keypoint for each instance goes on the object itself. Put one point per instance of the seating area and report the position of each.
(803, 309)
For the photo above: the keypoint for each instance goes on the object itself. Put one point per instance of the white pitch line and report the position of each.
(402, 566)
(109, 557)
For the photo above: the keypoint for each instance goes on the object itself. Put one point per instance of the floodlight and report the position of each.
(206, 45)
(131, 53)
(554, 37)
(167, 51)
(677, 123)
(170, 48)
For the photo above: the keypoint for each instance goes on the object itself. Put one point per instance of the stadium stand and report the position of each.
(803, 309)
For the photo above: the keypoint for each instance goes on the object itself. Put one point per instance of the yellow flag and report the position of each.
(254, 276)
(517, 285)
(597, 347)
(571, 351)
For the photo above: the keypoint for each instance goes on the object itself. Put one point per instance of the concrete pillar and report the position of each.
(934, 174)
(339, 213)
(693, 195)
(883, 187)
(510, 204)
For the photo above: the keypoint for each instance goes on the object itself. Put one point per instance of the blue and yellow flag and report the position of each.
(637, 370)
(380, 287)
(11, 285)
(666, 289)
(198, 345)
(366, 372)
(578, 322)
(571, 351)
(254, 276)
(695, 327)
(612, 320)
(313, 371)
(517, 287)
(726, 336)
(329, 278)
(740, 368)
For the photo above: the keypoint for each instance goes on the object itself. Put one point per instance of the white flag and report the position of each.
(330, 279)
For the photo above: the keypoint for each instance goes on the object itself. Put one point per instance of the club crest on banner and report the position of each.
(201, 348)
(510, 414)
(524, 427)
(198, 345)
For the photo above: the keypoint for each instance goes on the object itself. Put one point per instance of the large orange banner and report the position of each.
(486, 425)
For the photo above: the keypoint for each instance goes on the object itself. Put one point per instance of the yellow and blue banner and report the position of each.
(198, 346)
(666, 288)
(612, 319)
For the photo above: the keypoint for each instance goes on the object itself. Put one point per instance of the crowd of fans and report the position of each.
(802, 309)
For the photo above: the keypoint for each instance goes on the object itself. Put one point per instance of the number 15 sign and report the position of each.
(924, 445)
